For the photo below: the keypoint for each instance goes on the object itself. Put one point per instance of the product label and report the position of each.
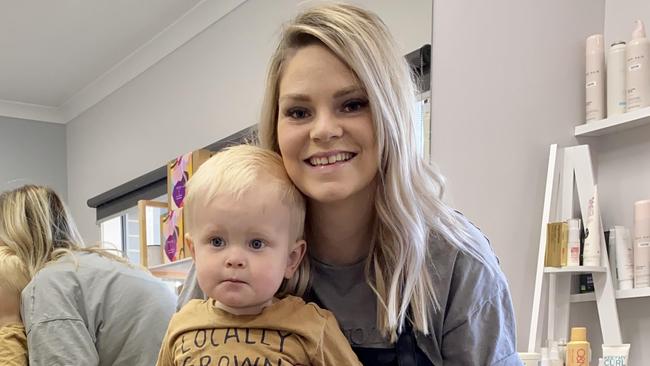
(591, 84)
(634, 67)
(614, 361)
(643, 244)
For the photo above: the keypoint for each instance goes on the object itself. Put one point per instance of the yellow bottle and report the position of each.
(577, 350)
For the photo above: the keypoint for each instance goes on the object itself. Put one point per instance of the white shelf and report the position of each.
(615, 123)
(174, 270)
(573, 270)
(620, 294)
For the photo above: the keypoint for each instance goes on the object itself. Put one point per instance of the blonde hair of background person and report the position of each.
(13, 278)
(37, 226)
(409, 207)
(227, 175)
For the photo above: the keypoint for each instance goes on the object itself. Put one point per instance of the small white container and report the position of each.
(594, 78)
(616, 79)
(530, 359)
(573, 244)
(619, 238)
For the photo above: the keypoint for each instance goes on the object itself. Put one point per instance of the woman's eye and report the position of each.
(217, 242)
(297, 113)
(354, 105)
(257, 244)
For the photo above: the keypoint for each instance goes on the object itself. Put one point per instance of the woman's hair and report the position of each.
(408, 200)
(36, 225)
(13, 272)
(235, 170)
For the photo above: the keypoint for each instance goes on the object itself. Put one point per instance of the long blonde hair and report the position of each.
(37, 226)
(236, 169)
(13, 273)
(408, 200)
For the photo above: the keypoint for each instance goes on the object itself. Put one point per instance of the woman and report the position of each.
(410, 281)
(82, 306)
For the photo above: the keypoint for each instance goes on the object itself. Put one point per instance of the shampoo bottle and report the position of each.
(637, 69)
(577, 350)
(642, 244)
(594, 78)
(616, 79)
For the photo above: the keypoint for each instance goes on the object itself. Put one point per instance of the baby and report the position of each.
(244, 223)
(13, 279)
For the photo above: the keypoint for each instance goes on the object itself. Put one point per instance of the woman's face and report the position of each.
(325, 130)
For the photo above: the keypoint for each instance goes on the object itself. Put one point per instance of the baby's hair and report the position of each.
(235, 170)
(13, 272)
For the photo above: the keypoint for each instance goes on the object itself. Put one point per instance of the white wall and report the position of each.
(507, 83)
(207, 89)
(32, 153)
(623, 161)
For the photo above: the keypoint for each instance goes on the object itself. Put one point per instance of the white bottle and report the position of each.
(545, 360)
(573, 244)
(594, 78)
(642, 244)
(637, 70)
(616, 79)
(619, 237)
(554, 355)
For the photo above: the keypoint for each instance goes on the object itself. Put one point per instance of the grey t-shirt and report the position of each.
(95, 312)
(475, 324)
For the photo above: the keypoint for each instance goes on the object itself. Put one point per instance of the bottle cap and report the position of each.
(595, 43)
(639, 30)
(578, 334)
(642, 210)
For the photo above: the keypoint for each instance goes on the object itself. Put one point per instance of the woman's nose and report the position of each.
(325, 127)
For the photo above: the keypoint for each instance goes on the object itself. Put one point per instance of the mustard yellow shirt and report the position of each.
(288, 332)
(13, 345)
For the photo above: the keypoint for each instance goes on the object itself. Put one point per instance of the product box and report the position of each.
(173, 236)
(179, 172)
(564, 244)
(553, 255)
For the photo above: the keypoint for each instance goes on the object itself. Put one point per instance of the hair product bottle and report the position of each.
(619, 237)
(577, 350)
(594, 78)
(573, 244)
(591, 248)
(637, 69)
(642, 243)
(616, 79)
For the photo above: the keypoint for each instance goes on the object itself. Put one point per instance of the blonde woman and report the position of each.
(410, 281)
(13, 278)
(82, 306)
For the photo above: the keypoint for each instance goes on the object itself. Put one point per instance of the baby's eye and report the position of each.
(297, 113)
(354, 105)
(217, 242)
(257, 244)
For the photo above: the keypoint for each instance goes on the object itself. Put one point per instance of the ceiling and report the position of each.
(59, 57)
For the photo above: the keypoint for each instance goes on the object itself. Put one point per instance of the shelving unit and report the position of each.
(570, 171)
(614, 124)
(574, 270)
(175, 270)
(633, 293)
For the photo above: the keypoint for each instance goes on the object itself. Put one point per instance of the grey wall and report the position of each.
(32, 152)
(507, 82)
(207, 89)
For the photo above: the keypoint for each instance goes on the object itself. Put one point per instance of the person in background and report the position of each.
(13, 278)
(82, 306)
(244, 223)
(410, 280)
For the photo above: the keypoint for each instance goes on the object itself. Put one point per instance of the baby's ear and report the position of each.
(190, 244)
(296, 253)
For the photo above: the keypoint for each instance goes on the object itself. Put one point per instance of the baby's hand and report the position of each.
(9, 307)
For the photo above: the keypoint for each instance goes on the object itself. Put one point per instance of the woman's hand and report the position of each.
(9, 307)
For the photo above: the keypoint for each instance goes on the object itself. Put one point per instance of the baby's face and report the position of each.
(243, 248)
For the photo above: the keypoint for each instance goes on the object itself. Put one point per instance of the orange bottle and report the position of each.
(578, 350)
